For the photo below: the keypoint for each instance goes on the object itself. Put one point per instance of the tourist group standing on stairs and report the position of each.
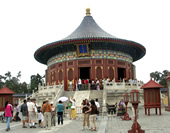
(86, 84)
(91, 84)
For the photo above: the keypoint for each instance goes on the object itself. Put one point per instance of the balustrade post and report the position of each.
(131, 84)
(48, 85)
(123, 83)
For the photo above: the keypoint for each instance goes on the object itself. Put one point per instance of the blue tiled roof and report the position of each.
(88, 29)
(163, 89)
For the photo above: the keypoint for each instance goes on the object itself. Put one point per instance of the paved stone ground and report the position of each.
(151, 124)
(107, 124)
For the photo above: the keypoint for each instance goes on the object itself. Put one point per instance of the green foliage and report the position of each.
(35, 80)
(13, 83)
(2, 78)
(160, 77)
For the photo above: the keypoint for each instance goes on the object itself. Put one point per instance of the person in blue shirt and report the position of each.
(60, 109)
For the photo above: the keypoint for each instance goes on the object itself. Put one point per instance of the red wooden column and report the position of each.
(75, 77)
(65, 76)
(93, 70)
(131, 72)
(116, 73)
(105, 69)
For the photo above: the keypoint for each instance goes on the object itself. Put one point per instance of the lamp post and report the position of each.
(134, 99)
(167, 108)
(126, 100)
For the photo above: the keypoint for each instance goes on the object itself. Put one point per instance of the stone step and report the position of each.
(68, 93)
(79, 96)
(97, 94)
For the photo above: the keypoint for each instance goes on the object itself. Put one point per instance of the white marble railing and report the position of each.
(131, 84)
(58, 94)
(51, 92)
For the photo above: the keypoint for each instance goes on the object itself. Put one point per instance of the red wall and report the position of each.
(60, 71)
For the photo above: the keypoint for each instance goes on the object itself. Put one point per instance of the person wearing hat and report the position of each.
(53, 115)
(47, 110)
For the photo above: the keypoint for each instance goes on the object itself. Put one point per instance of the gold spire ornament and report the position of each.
(88, 12)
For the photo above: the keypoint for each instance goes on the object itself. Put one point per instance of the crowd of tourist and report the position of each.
(87, 84)
(45, 116)
(97, 84)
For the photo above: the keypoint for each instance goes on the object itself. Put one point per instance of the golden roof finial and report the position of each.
(88, 12)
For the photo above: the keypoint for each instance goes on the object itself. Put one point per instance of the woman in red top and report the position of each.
(8, 114)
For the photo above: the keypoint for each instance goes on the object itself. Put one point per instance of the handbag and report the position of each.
(97, 111)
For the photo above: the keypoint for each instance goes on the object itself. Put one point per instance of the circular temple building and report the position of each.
(89, 53)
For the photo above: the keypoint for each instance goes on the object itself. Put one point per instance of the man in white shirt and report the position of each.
(35, 109)
(28, 102)
(79, 84)
(97, 104)
(31, 113)
(71, 88)
(98, 107)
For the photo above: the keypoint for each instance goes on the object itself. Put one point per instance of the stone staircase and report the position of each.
(79, 96)
(97, 94)
(68, 93)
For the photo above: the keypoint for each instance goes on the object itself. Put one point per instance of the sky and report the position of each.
(26, 25)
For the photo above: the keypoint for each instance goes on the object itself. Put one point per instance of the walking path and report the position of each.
(106, 124)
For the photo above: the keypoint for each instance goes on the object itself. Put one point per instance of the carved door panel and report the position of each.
(99, 73)
(70, 74)
(60, 76)
(111, 73)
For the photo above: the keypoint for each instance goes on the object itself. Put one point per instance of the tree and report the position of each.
(35, 80)
(160, 77)
(163, 78)
(18, 75)
(23, 87)
(13, 83)
(156, 75)
(8, 75)
(2, 79)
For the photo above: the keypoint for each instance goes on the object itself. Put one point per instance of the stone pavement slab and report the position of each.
(106, 124)
(151, 124)
(69, 126)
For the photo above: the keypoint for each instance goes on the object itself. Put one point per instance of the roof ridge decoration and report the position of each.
(88, 12)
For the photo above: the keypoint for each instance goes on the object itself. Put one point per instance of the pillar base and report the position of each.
(136, 128)
(126, 117)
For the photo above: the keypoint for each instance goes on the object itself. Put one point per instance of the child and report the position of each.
(40, 118)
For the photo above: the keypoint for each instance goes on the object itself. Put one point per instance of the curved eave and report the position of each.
(40, 53)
